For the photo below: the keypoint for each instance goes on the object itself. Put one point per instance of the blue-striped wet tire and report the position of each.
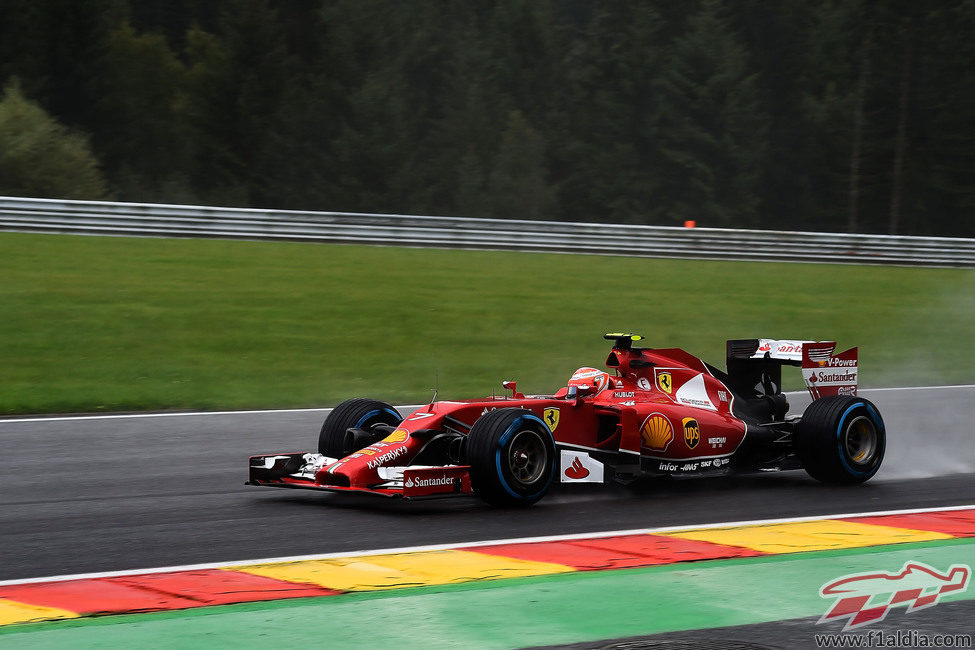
(512, 457)
(357, 413)
(841, 439)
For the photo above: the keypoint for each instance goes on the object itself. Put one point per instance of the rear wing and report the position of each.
(755, 366)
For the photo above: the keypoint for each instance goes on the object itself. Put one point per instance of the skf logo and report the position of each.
(664, 382)
(916, 585)
(551, 417)
(692, 432)
(399, 435)
(657, 432)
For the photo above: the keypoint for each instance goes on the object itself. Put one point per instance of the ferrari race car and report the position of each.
(662, 412)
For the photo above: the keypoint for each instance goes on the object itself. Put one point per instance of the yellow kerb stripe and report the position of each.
(372, 572)
(809, 536)
(12, 611)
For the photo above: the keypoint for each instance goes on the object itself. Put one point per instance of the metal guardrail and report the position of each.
(159, 220)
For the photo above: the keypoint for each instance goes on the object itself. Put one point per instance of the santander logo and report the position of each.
(576, 471)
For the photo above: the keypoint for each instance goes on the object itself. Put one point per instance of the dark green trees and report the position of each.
(41, 157)
(711, 128)
(799, 114)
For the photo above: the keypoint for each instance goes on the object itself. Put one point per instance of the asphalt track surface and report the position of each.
(87, 495)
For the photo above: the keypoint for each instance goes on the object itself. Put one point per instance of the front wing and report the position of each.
(297, 470)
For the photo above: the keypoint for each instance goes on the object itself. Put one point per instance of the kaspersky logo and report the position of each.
(865, 598)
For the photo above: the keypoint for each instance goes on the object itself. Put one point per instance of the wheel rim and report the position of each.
(526, 457)
(861, 441)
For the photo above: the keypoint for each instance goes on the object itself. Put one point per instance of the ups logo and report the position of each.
(692, 432)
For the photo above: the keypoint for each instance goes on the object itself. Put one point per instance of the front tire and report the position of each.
(357, 413)
(841, 439)
(512, 457)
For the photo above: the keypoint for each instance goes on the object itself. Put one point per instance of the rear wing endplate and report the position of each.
(826, 373)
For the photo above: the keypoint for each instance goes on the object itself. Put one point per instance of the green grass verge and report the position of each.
(109, 324)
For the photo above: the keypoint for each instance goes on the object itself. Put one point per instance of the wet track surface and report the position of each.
(87, 495)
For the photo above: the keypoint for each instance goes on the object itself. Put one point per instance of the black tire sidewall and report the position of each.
(359, 413)
(820, 439)
(850, 414)
(487, 451)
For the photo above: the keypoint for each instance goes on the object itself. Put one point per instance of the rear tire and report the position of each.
(357, 413)
(512, 457)
(841, 439)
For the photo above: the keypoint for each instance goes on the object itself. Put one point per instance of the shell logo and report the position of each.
(657, 432)
(399, 435)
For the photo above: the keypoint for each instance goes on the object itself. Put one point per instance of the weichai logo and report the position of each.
(865, 598)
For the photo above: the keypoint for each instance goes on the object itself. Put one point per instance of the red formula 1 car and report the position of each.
(665, 412)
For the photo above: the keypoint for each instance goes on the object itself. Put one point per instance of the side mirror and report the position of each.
(576, 392)
(513, 387)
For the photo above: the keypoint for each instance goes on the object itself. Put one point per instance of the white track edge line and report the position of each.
(122, 416)
(465, 545)
(134, 416)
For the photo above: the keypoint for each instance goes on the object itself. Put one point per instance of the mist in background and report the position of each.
(929, 431)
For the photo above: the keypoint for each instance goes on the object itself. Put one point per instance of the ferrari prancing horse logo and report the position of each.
(551, 417)
(664, 382)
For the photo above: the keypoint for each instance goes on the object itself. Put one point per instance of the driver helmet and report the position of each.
(594, 377)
